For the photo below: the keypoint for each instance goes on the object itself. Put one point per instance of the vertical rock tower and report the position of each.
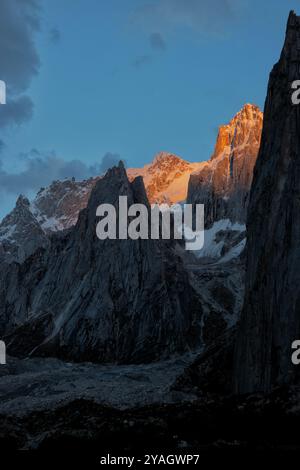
(271, 314)
(222, 184)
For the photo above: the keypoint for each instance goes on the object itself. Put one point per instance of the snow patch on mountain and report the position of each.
(166, 178)
(224, 240)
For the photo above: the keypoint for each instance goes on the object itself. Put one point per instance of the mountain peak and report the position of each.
(166, 157)
(249, 112)
(293, 19)
(20, 233)
(243, 129)
(250, 106)
(22, 201)
(223, 183)
(166, 178)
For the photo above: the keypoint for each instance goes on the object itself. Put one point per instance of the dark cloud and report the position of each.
(204, 16)
(109, 160)
(157, 41)
(41, 170)
(19, 21)
(54, 35)
(2, 146)
(16, 111)
(142, 60)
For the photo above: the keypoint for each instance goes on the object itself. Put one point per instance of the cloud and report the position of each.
(41, 169)
(203, 16)
(54, 35)
(2, 146)
(19, 21)
(141, 60)
(16, 111)
(109, 160)
(157, 42)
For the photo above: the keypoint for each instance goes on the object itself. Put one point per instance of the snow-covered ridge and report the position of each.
(224, 239)
(20, 232)
(166, 178)
(221, 184)
(57, 206)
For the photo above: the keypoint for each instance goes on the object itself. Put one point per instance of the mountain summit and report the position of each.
(222, 184)
(166, 178)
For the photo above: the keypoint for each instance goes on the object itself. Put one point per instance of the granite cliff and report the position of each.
(104, 300)
(222, 184)
(271, 315)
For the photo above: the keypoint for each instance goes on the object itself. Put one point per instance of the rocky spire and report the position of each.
(222, 184)
(271, 315)
(102, 300)
(22, 201)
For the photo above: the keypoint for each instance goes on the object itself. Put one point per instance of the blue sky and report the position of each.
(134, 77)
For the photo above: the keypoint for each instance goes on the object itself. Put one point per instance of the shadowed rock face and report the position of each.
(57, 206)
(222, 184)
(271, 315)
(20, 233)
(111, 300)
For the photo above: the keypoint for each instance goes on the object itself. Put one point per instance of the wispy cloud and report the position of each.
(206, 17)
(19, 21)
(109, 160)
(41, 169)
(157, 41)
(159, 19)
(54, 35)
(142, 60)
(2, 146)
(16, 111)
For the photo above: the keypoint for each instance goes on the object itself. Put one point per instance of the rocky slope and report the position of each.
(271, 315)
(222, 184)
(57, 207)
(166, 180)
(20, 233)
(111, 300)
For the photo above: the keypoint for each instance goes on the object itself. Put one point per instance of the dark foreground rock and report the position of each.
(255, 423)
(271, 316)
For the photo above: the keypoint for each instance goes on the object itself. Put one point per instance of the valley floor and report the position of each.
(130, 410)
(36, 384)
